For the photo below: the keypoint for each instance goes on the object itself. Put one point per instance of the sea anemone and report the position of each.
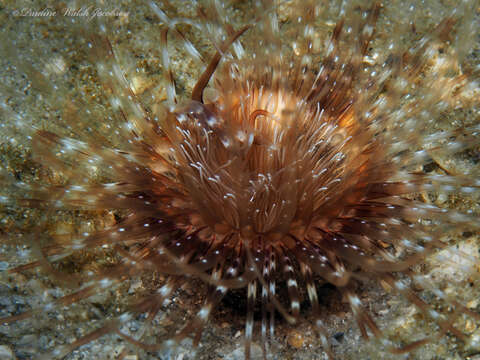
(298, 158)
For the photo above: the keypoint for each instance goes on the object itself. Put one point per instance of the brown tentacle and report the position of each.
(197, 93)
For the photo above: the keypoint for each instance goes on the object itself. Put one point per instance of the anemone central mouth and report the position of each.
(267, 165)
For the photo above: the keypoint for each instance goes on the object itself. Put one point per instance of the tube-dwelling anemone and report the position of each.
(285, 169)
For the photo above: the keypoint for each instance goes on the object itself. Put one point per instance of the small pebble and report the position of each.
(239, 353)
(472, 304)
(6, 353)
(470, 326)
(295, 339)
(131, 357)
